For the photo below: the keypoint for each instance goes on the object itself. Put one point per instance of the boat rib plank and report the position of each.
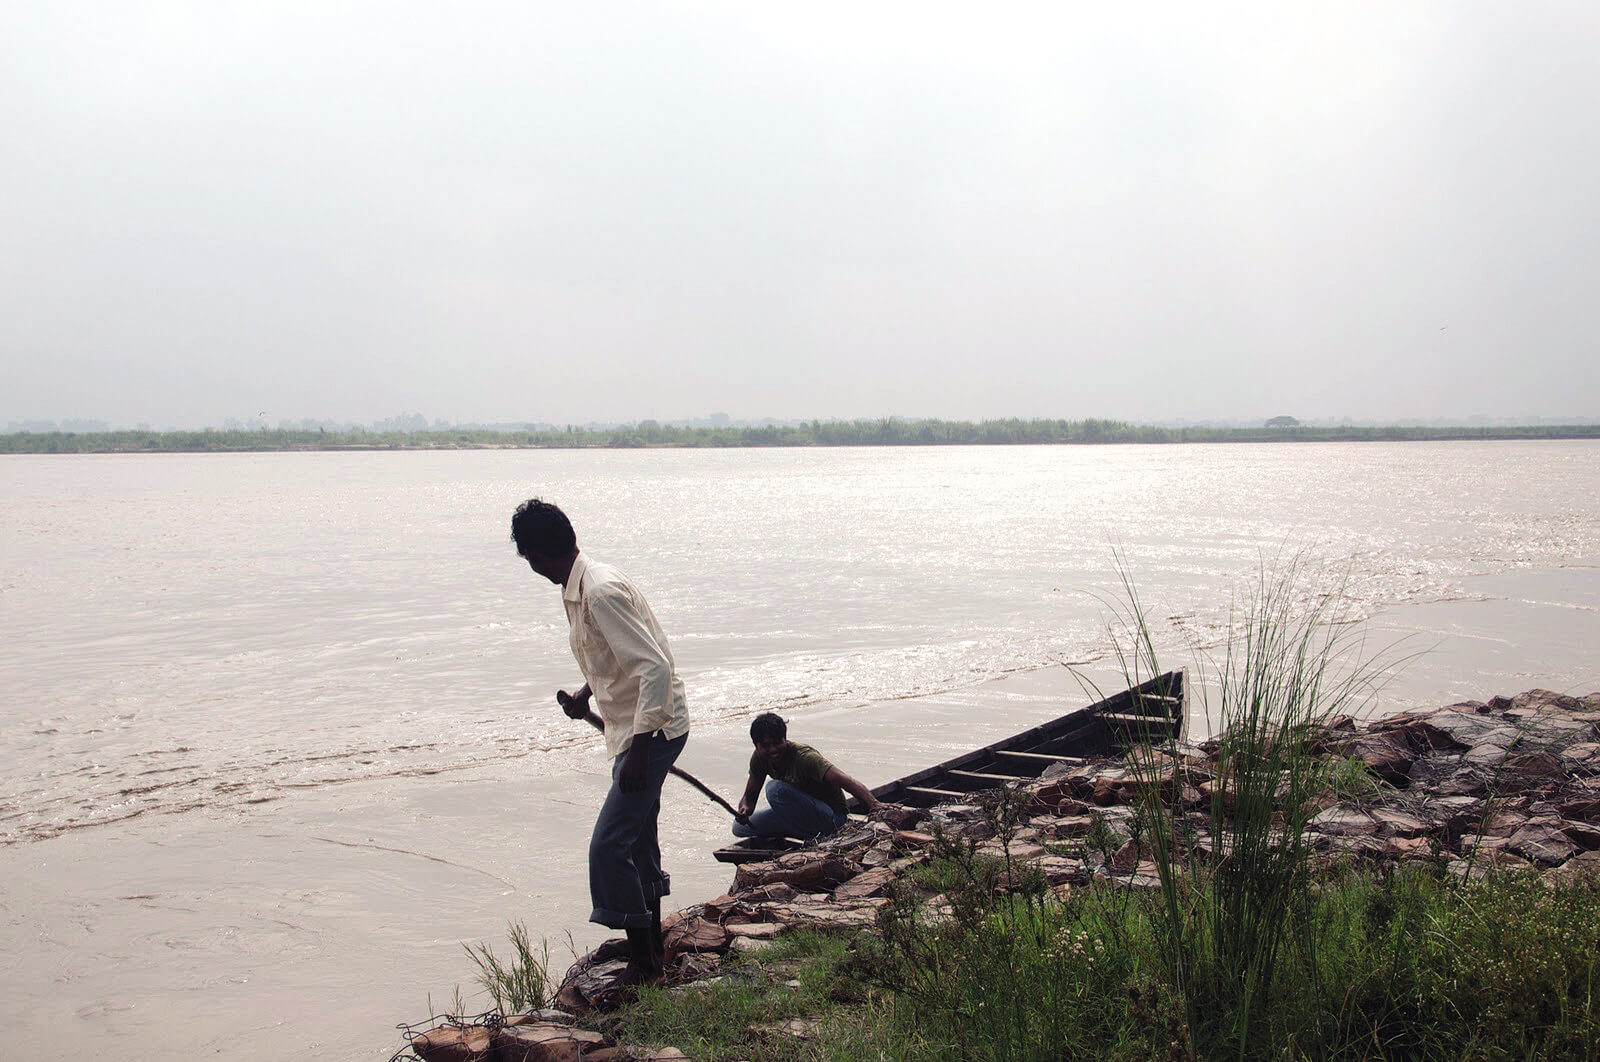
(936, 794)
(1128, 719)
(1043, 759)
(992, 779)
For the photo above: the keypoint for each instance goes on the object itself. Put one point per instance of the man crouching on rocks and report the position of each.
(805, 798)
(630, 673)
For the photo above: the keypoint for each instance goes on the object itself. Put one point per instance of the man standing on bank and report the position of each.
(629, 672)
(805, 798)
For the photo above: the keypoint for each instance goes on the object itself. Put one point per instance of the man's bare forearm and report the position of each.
(854, 788)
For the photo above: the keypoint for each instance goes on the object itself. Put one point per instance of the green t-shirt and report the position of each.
(804, 768)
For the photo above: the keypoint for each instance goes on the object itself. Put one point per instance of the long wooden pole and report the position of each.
(594, 721)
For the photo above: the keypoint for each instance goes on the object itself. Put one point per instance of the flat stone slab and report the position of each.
(1340, 820)
(756, 930)
(867, 883)
(547, 1042)
(454, 1043)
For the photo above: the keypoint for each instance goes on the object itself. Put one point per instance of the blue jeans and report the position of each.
(625, 873)
(790, 812)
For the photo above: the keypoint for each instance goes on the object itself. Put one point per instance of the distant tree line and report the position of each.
(887, 431)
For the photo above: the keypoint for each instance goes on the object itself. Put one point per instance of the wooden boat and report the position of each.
(1151, 712)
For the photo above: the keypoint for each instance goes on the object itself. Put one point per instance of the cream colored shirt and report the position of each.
(623, 654)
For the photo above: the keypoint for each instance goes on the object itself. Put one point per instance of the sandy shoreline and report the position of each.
(314, 924)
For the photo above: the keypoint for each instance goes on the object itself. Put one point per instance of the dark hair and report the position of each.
(542, 530)
(768, 725)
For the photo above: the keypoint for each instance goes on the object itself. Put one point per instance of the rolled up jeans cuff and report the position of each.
(653, 891)
(621, 919)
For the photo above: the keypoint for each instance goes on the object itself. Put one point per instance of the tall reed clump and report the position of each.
(1234, 876)
(520, 984)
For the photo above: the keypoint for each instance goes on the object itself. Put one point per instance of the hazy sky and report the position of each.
(605, 211)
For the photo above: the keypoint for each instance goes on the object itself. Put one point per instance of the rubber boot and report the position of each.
(658, 944)
(642, 951)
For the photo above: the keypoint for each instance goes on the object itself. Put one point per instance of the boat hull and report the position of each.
(1153, 712)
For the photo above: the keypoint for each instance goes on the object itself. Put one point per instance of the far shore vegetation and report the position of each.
(887, 431)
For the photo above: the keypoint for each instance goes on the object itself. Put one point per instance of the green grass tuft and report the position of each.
(521, 984)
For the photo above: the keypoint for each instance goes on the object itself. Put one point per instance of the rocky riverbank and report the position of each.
(1511, 784)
